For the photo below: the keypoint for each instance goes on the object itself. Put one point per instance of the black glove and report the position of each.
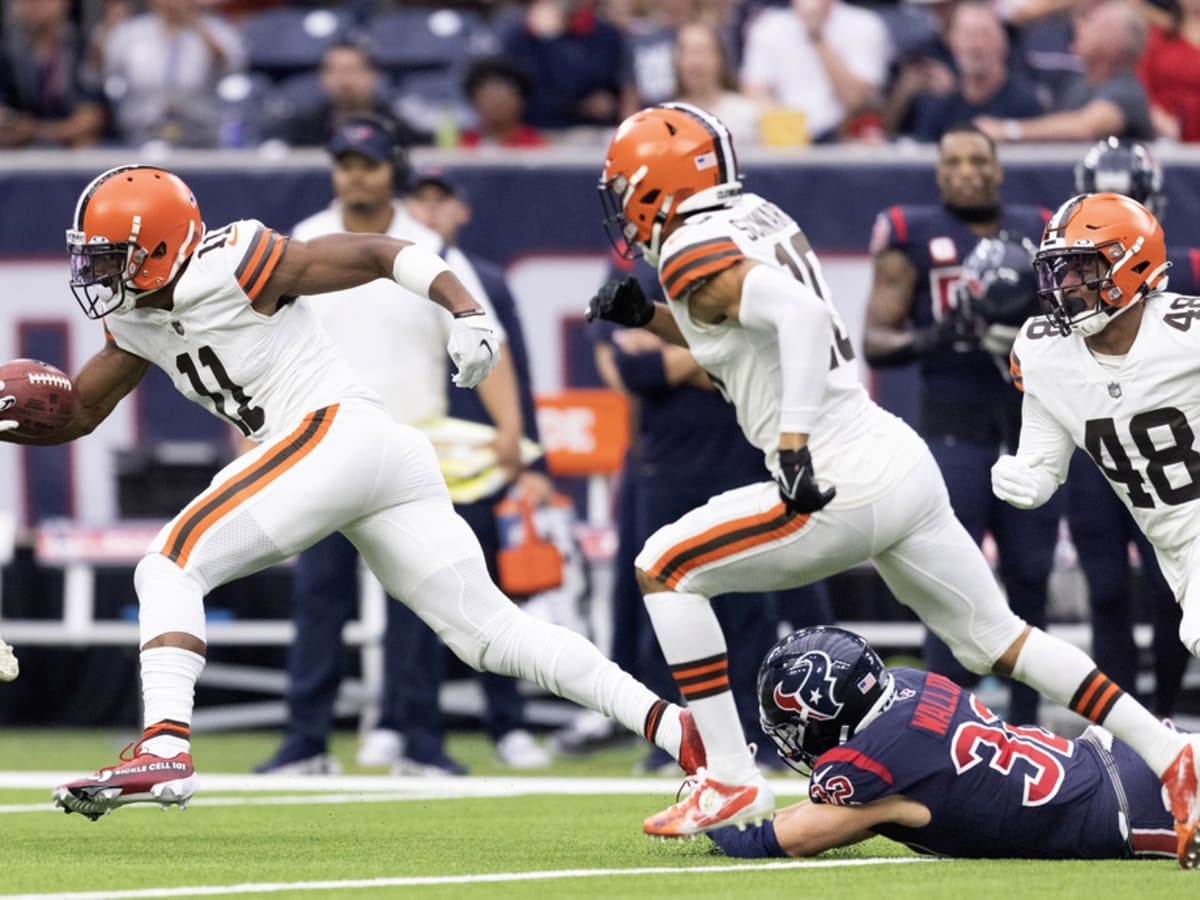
(622, 302)
(797, 485)
(955, 327)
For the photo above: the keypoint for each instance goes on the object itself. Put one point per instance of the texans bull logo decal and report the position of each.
(812, 685)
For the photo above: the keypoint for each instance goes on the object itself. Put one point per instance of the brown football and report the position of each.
(39, 396)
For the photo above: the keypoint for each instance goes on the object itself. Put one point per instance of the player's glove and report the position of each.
(798, 486)
(953, 328)
(473, 347)
(622, 302)
(1016, 482)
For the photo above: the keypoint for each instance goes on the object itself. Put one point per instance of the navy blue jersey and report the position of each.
(965, 380)
(1185, 270)
(995, 789)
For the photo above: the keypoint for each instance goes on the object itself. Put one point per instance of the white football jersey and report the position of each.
(745, 364)
(260, 373)
(1137, 417)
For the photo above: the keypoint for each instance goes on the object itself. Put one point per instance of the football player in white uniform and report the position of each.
(746, 295)
(1114, 369)
(218, 311)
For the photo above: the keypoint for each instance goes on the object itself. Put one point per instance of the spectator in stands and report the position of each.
(650, 28)
(398, 358)
(826, 58)
(1107, 99)
(706, 80)
(969, 411)
(985, 85)
(498, 92)
(48, 94)
(1170, 70)
(925, 65)
(350, 84)
(577, 62)
(161, 70)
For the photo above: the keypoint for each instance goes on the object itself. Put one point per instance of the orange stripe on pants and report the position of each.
(203, 514)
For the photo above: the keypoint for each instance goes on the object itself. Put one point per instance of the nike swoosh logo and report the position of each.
(233, 236)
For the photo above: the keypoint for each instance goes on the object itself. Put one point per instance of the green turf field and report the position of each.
(403, 838)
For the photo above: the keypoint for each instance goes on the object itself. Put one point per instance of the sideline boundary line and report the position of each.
(424, 881)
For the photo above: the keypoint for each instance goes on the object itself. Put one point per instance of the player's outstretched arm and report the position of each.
(100, 384)
(336, 262)
(806, 829)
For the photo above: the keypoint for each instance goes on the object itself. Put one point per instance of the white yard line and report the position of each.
(368, 788)
(490, 878)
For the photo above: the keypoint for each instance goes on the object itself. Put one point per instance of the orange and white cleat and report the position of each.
(712, 804)
(692, 756)
(1181, 793)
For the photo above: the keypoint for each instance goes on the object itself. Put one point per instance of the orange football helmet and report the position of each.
(664, 161)
(1107, 244)
(134, 228)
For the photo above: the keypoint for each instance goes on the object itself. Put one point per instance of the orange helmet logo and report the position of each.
(134, 228)
(664, 161)
(1107, 243)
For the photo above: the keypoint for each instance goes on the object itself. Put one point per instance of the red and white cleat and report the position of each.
(711, 804)
(1181, 793)
(692, 756)
(140, 778)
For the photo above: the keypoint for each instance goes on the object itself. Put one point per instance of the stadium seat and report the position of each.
(281, 42)
(411, 39)
(243, 99)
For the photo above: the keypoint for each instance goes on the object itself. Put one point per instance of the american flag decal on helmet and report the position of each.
(705, 161)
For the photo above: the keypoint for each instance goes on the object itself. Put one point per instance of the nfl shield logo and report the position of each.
(1114, 390)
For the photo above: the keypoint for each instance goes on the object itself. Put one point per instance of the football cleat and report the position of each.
(9, 667)
(138, 778)
(692, 757)
(712, 804)
(1180, 793)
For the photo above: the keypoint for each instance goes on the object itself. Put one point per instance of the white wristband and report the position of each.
(415, 268)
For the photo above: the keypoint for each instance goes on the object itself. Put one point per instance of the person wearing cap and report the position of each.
(397, 355)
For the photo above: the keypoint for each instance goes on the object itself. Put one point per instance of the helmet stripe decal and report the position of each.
(726, 159)
(81, 205)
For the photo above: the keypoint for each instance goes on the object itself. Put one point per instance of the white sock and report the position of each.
(1067, 675)
(169, 677)
(694, 647)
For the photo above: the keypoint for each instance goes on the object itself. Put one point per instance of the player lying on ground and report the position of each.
(914, 757)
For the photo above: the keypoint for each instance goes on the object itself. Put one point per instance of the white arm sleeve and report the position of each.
(776, 303)
(1043, 439)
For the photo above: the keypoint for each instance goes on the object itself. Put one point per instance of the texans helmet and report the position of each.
(817, 688)
(1123, 167)
(998, 286)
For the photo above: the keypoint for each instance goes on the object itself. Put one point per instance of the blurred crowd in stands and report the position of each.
(248, 73)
